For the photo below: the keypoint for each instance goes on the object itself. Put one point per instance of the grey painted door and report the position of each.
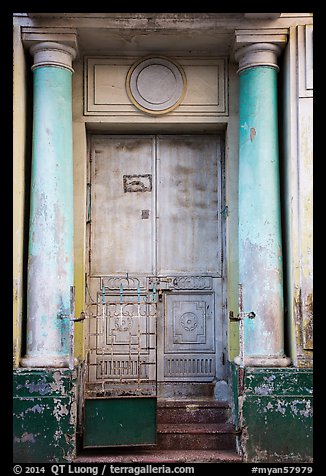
(155, 262)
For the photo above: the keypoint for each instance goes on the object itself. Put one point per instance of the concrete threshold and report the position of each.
(159, 456)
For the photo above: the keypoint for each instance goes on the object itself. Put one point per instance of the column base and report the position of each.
(45, 415)
(46, 361)
(264, 361)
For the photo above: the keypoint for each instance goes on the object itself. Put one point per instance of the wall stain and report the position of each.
(308, 323)
(303, 315)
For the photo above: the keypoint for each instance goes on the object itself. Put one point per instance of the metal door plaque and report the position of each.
(137, 183)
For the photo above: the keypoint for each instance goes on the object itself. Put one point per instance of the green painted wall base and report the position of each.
(44, 415)
(273, 410)
(119, 422)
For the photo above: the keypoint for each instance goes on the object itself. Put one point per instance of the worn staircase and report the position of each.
(188, 431)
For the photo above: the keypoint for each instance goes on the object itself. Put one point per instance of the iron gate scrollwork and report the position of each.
(121, 338)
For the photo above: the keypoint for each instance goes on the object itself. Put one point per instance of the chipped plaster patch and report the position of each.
(42, 387)
(270, 378)
(59, 409)
(57, 435)
(269, 406)
(307, 412)
(280, 407)
(263, 390)
(73, 412)
(57, 385)
(36, 409)
(26, 437)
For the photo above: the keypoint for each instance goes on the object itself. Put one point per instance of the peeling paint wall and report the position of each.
(274, 413)
(298, 191)
(44, 415)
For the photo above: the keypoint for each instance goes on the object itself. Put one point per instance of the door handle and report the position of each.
(160, 295)
(165, 280)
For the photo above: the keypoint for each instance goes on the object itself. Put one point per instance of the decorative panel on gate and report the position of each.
(189, 323)
(189, 345)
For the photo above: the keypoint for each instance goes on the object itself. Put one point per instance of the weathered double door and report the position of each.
(155, 272)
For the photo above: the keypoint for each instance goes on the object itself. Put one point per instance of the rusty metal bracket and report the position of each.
(82, 317)
(241, 315)
(71, 318)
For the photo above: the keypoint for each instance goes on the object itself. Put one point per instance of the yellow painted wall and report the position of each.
(231, 184)
(297, 201)
(80, 187)
(19, 152)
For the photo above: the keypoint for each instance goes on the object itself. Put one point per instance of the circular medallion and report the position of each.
(189, 321)
(156, 85)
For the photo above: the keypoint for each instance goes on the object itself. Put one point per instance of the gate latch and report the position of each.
(72, 316)
(82, 317)
(241, 315)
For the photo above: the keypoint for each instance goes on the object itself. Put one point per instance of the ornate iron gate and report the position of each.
(121, 338)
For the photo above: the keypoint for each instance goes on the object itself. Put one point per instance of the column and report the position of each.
(50, 253)
(260, 241)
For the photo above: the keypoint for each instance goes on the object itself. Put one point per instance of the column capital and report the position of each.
(258, 54)
(50, 53)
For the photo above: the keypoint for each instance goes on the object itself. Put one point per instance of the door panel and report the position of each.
(121, 336)
(187, 203)
(122, 208)
(155, 281)
(190, 330)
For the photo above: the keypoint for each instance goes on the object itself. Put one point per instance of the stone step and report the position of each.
(195, 436)
(192, 411)
(185, 390)
(158, 456)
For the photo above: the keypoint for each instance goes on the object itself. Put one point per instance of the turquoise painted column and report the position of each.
(260, 241)
(50, 253)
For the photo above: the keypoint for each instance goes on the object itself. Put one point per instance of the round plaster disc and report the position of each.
(156, 85)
